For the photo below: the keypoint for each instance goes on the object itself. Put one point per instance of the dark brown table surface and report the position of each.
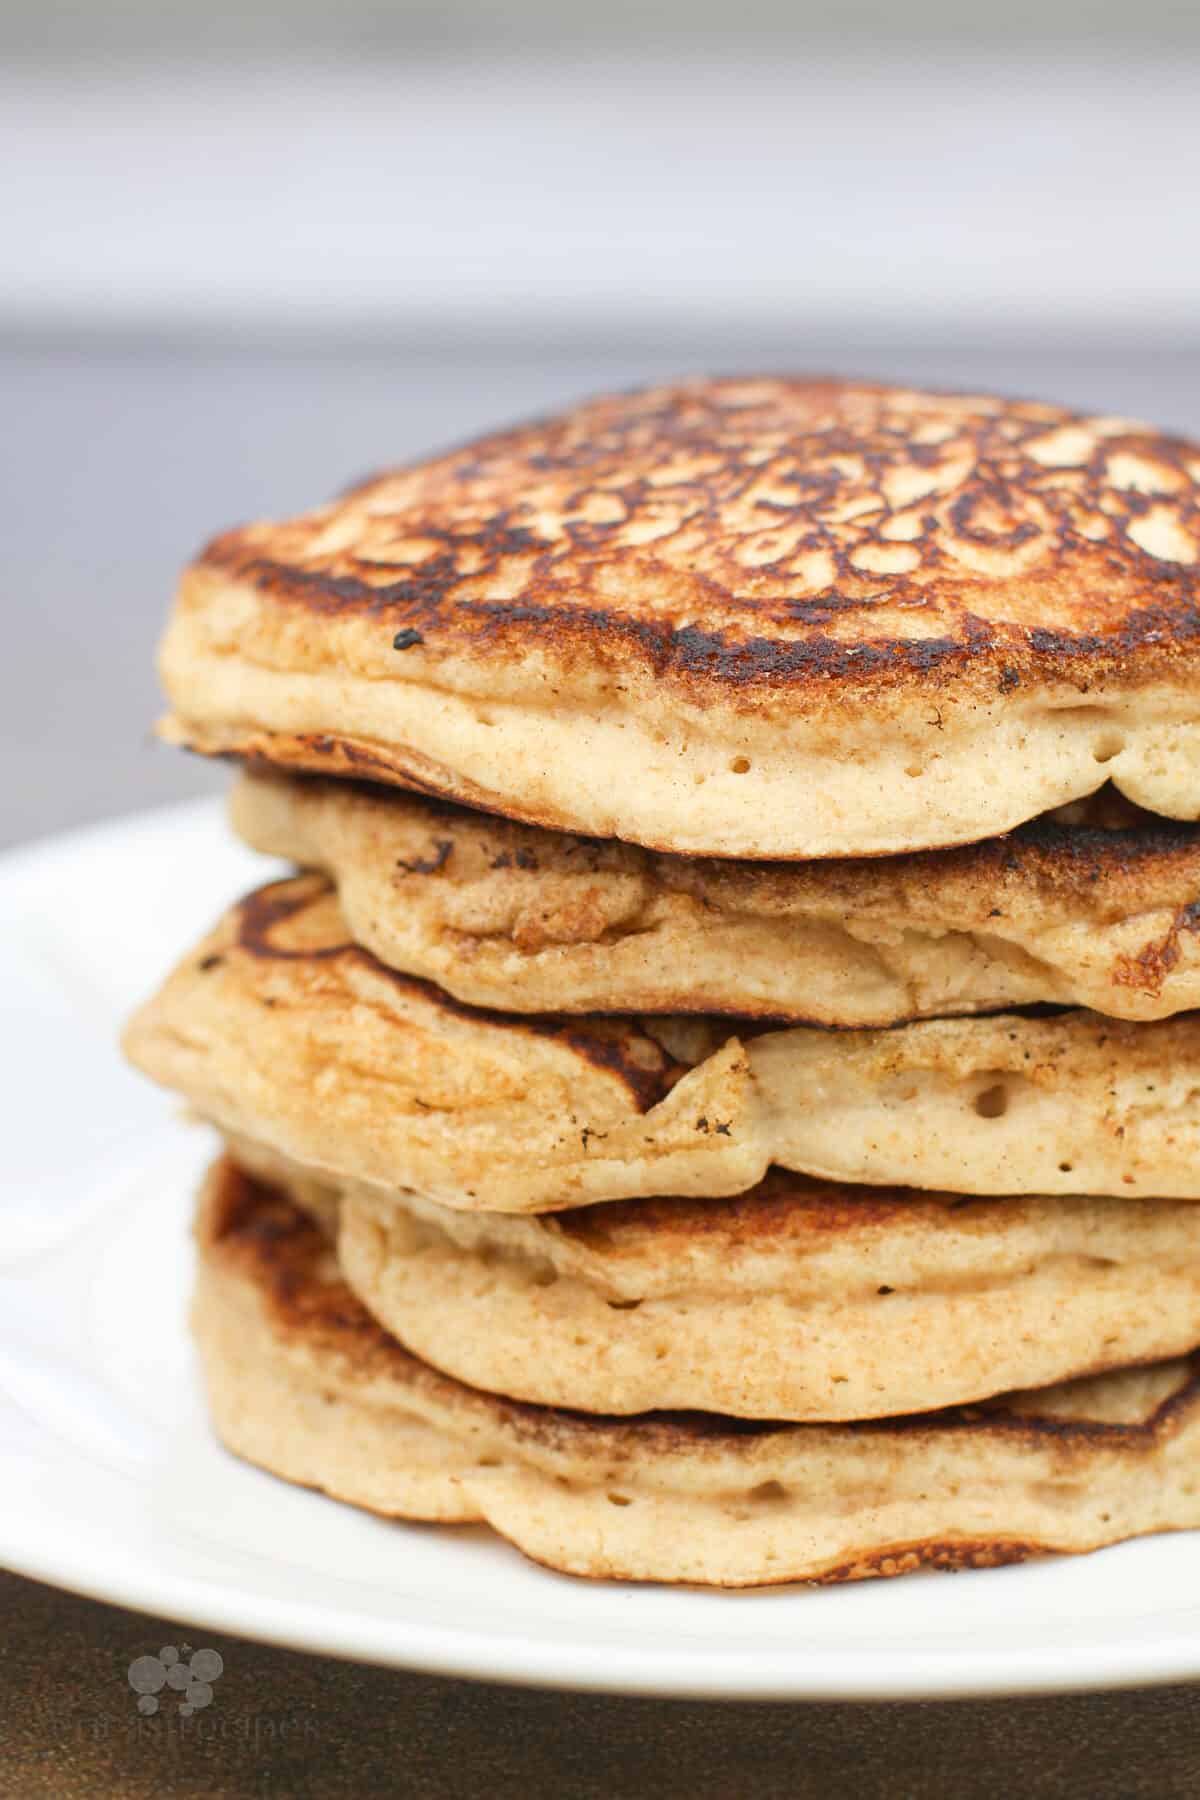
(283, 1723)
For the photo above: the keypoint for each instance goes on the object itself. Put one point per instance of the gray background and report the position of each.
(394, 26)
(72, 29)
(249, 250)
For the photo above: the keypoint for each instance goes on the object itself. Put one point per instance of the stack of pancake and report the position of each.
(719, 1102)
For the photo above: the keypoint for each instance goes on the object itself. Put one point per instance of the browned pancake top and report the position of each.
(762, 532)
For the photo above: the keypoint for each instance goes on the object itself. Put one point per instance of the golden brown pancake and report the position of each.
(798, 1300)
(749, 618)
(302, 1381)
(279, 1028)
(508, 916)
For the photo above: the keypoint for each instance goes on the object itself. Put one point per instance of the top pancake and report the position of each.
(743, 618)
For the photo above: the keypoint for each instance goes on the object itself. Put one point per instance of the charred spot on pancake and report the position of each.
(428, 865)
(256, 1229)
(615, 1044)
(948, 1555)
(1149, 969)
(520, 858)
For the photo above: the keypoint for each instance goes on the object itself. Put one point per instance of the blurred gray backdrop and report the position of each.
(251, 251)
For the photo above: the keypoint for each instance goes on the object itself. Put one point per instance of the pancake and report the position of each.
(303, 1382)
(279, 1028)
(748, 618)
(797, 1300)
(511, 917)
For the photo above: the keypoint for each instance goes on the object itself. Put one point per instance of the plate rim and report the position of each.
(582, 1668)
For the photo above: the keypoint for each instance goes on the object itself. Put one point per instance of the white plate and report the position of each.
(113, 1485)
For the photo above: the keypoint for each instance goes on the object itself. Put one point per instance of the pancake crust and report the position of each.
(279, 1028)
(508, 916)
(302, 1381)
(798, 1300)
(749, 618)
